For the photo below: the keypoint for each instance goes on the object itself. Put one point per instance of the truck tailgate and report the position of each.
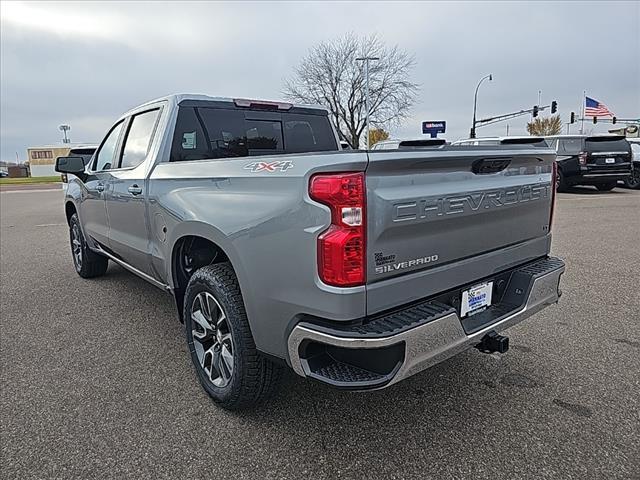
(442, 218)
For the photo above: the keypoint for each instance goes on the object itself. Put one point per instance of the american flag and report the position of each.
(594, 108)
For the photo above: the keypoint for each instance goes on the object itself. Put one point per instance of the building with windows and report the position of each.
(42, 159)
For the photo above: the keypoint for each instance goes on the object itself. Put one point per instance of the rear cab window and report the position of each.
(210, 132)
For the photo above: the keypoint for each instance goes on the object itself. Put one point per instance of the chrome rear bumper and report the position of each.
(430, 342)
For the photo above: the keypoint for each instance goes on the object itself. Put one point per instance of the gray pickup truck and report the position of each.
(353, 268)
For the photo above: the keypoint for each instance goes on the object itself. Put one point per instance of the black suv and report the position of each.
(599, 160)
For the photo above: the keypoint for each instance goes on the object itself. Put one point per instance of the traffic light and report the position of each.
(595, 120)
(573, 117)
(554, 107)
(535, 110)
(614, 120)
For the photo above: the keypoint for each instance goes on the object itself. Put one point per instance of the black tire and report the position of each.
(251, 378)
(605, 187)
(634, 180)
(561, 183)
(88, 264)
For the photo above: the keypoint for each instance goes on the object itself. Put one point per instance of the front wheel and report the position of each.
(634, 179)
(605, 187)
(225, 357)
(87, 263)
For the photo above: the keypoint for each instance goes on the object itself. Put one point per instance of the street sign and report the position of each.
(434, 128)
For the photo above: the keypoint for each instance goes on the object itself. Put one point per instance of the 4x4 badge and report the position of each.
(279, 166)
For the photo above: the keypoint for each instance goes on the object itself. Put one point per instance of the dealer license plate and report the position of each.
(476, 299)
(609, 160)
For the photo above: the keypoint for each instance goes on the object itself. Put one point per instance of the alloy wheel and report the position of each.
(76, 245)
(634, 180)
(212, 339)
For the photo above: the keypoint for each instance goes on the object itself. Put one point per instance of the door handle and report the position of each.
(135, 189)
(100, 187)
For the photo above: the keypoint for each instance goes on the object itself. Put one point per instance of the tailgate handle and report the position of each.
(490, 165)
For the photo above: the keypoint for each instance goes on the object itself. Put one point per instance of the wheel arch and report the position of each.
(69, 210)
(193, 248)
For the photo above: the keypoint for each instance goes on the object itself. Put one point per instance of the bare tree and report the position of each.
(329, 75)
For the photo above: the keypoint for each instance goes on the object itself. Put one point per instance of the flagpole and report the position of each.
(584, 101)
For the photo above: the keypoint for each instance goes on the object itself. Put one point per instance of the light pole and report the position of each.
(366, 94)
(475, 104)
(64, 129)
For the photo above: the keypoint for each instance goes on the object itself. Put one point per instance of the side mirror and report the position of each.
(73, 165)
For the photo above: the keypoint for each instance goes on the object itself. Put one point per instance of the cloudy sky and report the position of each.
(86, 63)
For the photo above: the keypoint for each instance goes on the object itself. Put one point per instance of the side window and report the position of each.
(138, 138)
(104, 158)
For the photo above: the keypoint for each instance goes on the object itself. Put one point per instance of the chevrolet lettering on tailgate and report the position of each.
(432, 207)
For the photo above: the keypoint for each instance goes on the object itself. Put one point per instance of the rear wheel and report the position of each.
(605, 187)
(225, 357)
(634, 179)
(561, 184)
(88, 264)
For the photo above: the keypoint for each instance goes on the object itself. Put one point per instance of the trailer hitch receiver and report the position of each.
(493, 342)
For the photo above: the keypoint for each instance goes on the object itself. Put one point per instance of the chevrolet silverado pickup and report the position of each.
(354, 268)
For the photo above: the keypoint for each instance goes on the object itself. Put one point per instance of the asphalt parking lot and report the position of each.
(96, 381)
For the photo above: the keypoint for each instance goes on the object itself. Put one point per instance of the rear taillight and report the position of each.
(582, 158)
(554, 187)
(342, 247)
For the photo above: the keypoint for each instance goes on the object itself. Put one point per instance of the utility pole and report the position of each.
(366, 61)
(475, 104)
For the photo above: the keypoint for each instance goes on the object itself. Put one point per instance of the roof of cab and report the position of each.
(177, 98)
